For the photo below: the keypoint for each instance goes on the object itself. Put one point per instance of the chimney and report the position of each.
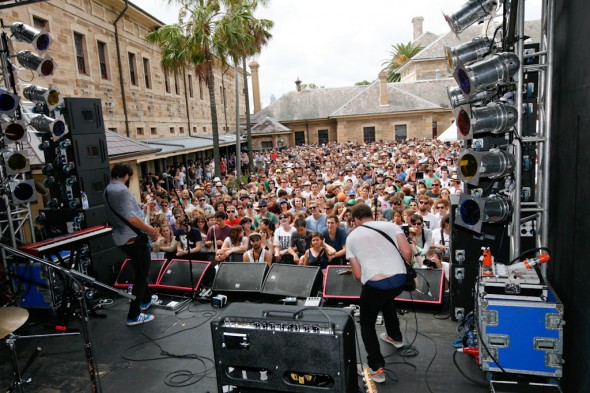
(417, 22)
(255, 85)
(298, 85)
(383, 99)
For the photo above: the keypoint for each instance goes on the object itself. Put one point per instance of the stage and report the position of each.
(176, 350)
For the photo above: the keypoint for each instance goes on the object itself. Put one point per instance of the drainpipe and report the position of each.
(188, 117)
(121, 69)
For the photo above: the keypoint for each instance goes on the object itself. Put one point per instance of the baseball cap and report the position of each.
(255, 234)
(262, 203)
(218, 184)
(351, 193)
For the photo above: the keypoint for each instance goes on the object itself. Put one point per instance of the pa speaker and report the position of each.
(126, 276)
(83, 115)
(292, 280)
(429, 287)
(320, 355)
(177, 275)
(233, 277)
(339, 284)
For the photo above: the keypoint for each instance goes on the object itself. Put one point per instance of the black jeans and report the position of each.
(372, 301)
(140, 258)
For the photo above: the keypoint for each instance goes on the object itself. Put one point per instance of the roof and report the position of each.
(188, 144)
(308, 104)
(269, 125)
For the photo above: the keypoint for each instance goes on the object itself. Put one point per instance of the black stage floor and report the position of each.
(177, 349)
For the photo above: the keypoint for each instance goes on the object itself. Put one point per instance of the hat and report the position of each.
(216, 179)
(283, 200)
(255, 234)
(442, 161)
(455, 177)
(279, 171)
(218, 184)
(337, 183)
(307, 183)
(351, 193)
(262, 203)
(398, 165)
(351, 202)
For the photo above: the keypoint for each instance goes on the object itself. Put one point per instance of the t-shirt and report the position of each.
(301, 243)
(282, 237)
(316, 225)
(215, 233)
(190, 239)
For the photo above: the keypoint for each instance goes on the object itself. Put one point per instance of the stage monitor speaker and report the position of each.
(83, 115)
(233, 277)
(177, 275)
(105, 265)
(292, 280)
(126, 276)
(339, 285)
(277, 348)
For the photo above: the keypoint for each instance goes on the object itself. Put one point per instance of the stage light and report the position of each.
(44, 66)
(472, 212)
(8, 102)
(468, 52)
(22, 191)
(46, 124)
(494, 118)
(15, 162)
(490, 164)
(495, 70)
(39, 39)
(457, 98)
(49, 182)
(14, 130)
(48, 169)
(471, 12)
(43, 95)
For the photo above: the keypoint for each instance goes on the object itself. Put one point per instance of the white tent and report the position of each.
(450, 134)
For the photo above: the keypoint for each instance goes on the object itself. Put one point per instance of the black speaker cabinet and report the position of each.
(239, 277)
(127, 274)
(89, 151)
(292, 280)
(105, 264)
(340, 285)
(83, 115)
(177, 275)
(93, 182)
(276, 348)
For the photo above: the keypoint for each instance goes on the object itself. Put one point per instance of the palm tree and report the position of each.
(400, 55)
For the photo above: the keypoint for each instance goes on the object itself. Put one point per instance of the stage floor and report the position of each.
(176, 349)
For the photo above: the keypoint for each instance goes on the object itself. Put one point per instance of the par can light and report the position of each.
(473, 212)
(495, 70)
(8, 102)
(44, 66)
(468, 52)
(22, 191)
(43, 95)
(495, 118)
(15, 162)
(491, 164)
(39, 39)
(14, 130)
(46, 124)
(457, 98)
(471, 12)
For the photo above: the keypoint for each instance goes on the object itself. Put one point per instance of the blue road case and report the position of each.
(523, 336)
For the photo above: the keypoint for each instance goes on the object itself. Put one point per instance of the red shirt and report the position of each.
(234, 222)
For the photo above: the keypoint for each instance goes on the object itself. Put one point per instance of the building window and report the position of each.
(194, 130)
(368, 134)
(323, 137)
(147, 73)
(154, 131)
(434, 129)
(401, 132)
(102, 60)
(201, 88)
(132, 69)
(176, 86)
(204, 130)
(172, 130)
(80, 53)
(39, 23)
(299, 138)
(190, 86)
(139, 130)
(181, 130)
(266, 145)
(166, 81)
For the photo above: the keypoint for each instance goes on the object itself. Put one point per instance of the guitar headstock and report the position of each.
(368, 380)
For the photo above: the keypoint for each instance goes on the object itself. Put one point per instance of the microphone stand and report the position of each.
(375, 203)
(76, 279)
(193, 295)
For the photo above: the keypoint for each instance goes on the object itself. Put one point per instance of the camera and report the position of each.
(406, 229)
(429, 264)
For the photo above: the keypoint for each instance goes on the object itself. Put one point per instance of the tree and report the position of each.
(362, 83)
(400, 55)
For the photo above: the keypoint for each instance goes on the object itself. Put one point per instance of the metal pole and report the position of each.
(238, 160)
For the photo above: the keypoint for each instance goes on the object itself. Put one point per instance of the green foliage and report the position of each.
(400, 55)
(309, 86)
(362, 83)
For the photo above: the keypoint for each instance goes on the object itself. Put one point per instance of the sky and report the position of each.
(334, 43)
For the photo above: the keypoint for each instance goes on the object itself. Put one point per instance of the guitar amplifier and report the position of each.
(277, 348)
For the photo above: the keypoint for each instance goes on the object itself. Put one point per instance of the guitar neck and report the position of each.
(368, 380)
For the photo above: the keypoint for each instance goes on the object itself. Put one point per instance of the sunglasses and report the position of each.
(281, 217)
(231, 211)
(202, 199)
(240, 208)
(440, 207)
(435, 185)
(424, 202)
(312, 207)
(164, 204)
(397, 203)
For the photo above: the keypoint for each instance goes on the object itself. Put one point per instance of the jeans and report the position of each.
(372, 301)
(140, 258)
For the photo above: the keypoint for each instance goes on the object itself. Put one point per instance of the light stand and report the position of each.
(75, 279)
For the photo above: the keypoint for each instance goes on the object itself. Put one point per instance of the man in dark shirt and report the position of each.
(217, 233)
(300, 240)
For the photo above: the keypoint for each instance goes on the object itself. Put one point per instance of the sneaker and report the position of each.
(141, 318)
(377, 376)
(147, 305)
(396, 343)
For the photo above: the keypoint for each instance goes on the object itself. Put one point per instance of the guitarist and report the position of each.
(130, 233)
(380, 268)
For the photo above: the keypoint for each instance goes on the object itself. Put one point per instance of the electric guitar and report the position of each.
(368, 380)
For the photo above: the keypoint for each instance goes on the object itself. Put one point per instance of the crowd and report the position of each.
(297, 202)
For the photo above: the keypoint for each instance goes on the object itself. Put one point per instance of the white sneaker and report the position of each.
(377, 376)
(398, 344)
(141, 318)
